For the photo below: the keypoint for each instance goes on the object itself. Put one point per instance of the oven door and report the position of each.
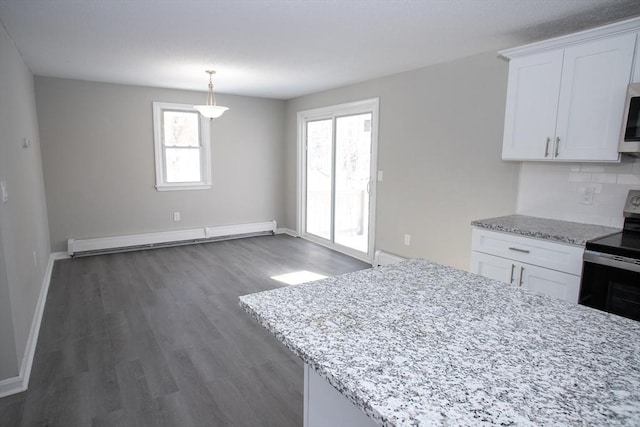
(611, 283)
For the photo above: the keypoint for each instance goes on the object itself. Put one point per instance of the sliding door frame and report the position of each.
(332, 112)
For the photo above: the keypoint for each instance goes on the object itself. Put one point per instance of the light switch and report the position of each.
(5, 194)
(380, 176)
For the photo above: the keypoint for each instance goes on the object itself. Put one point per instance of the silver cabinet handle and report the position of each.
(513, 267)
(524, 251)
(546, 147)
(557, 146)
(521, 274)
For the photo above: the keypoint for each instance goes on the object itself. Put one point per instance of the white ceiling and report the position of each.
(278, 48)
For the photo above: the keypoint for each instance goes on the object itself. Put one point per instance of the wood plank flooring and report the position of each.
(157, 338)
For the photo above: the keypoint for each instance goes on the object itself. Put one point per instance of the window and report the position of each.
(182, 147)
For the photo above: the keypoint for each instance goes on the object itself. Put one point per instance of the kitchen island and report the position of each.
(418, 343)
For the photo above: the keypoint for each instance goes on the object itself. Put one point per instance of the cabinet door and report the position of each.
(595, 77)
(550, 282)
(493, 267)
(532, 103)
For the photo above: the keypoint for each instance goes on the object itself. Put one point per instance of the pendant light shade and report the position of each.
(211, 110)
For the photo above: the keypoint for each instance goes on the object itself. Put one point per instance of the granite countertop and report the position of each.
(574, 233)
(418, 343)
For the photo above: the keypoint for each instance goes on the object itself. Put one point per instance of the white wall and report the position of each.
(24, 232)
(97, 145)
(440, 141)
(551, 190)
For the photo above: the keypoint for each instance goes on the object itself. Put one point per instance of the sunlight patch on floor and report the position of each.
(298, 277)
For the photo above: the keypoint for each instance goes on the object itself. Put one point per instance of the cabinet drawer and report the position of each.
(555, 256)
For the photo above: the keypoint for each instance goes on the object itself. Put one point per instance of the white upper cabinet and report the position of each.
(594, 84)
(532, 105)
(565, 97)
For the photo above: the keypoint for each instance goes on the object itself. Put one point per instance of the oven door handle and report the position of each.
(615, 261)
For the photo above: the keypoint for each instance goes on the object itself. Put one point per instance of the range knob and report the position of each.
(635, 201)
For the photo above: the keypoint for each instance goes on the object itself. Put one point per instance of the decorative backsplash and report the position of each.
(558, 190)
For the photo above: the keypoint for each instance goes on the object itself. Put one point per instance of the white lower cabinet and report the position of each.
(529, 263)
(550, 282)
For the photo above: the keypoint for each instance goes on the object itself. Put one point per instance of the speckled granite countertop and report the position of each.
(573, 233)
(418, 343)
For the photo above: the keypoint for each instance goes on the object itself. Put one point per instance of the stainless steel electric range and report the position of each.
(611, 268)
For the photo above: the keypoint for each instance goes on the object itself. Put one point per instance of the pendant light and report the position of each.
(211, 110)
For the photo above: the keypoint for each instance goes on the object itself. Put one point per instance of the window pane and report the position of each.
(180, 128)
(183, 164)
(319, 160)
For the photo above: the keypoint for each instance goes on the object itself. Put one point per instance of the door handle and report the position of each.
(521, 274)
(546, 147)
(368, 187)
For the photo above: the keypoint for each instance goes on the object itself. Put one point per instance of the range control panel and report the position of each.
(632, 206)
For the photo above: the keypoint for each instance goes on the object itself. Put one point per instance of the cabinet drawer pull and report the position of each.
(524, 251)
(546, 147)
(513, 267)
(521, 274)
(557, 145)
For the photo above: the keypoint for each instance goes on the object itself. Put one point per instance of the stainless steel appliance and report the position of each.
(611, 268)
(630, 135)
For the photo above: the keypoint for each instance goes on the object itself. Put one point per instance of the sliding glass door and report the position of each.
(338, 167)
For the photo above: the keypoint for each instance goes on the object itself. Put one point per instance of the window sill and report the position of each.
(183, 187)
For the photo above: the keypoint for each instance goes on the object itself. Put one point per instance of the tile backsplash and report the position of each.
(556, 190)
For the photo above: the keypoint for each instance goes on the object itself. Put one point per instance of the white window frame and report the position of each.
(159, 148)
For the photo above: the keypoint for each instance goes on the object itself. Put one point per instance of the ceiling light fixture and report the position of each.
(211, 110)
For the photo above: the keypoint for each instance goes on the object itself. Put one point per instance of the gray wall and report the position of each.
(24, 233)
(440, 141)
(98, 159)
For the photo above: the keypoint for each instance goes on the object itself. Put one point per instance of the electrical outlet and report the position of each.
(585, 195)
(176, 216)
(407, 239)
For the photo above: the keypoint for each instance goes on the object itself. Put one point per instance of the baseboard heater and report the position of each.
(385, 258)
(136, 242)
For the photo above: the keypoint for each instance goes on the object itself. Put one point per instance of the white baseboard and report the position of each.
(231, 230)
(287, 231)
(149, 240)
(20, 383)
(12, 385)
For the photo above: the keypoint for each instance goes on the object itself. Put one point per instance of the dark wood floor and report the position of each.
(157, 338)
